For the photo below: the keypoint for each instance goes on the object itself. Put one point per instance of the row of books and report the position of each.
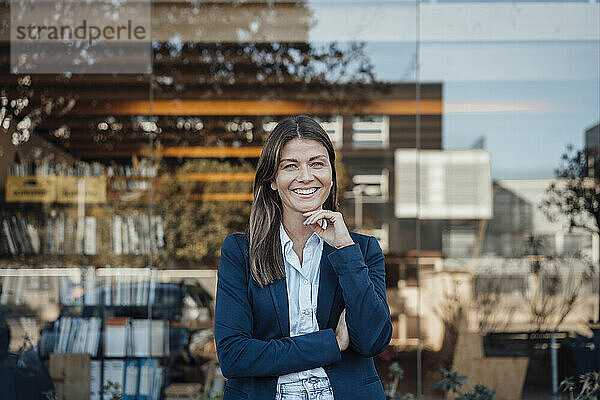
(137, 379)
(80, 168)
(51, 167)
(144, 168)
(65, 290)
(121, 287)
(133, 234)
(130, 233)
(31, 289)
(125, 336)
(66, 234)
(77, 335)
(35, 291)
(17, 236)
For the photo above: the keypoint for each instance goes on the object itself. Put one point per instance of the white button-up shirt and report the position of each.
(302, 289)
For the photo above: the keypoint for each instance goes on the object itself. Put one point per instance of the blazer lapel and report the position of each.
(328, 287)
(278, 291)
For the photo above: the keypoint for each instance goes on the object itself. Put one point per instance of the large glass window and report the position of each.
(510, 72)
(466, 137)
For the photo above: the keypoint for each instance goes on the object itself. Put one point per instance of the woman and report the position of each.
(300, 306)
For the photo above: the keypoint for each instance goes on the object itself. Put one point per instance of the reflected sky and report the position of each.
(525, 76)
(528, 100)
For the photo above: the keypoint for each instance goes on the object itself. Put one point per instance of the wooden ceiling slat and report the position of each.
(258, 107)
(88, 151)
(104, 154)
(207, 152)
(223, 196)
(217, 177)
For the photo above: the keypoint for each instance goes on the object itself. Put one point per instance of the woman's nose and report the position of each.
(304, 174)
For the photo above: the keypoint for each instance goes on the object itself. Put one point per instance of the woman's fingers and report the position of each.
(313, 216)
(341, 332)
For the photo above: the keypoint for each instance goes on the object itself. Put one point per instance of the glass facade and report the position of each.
(466, 137)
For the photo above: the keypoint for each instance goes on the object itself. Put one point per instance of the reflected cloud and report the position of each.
(497, 107)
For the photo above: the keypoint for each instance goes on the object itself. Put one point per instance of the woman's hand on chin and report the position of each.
(336, 234)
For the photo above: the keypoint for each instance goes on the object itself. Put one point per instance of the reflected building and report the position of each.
(518, 227)
(494, 259)
(480, 240)
(222, 78)
(592, 150)
(435, 188)
(223, 74)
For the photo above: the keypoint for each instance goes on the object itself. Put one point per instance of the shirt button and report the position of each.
(306, 281)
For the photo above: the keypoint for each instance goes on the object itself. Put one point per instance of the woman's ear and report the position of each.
(273, 185)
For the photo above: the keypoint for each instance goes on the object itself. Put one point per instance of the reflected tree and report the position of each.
(195, 228)
(493, 312)
(453, 312)
(486, 303)
(575, 194)
(23, 108)
(557, 290)
(256, 59)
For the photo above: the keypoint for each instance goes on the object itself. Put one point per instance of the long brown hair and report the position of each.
(265, 258)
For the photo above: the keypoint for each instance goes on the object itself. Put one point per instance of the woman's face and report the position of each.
(304, 167)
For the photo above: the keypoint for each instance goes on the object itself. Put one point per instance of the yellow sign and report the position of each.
(69, 187)
(31, 189)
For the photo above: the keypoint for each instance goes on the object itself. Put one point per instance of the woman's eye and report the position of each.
(317, 163)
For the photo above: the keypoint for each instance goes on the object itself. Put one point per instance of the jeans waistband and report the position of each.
(314, 383)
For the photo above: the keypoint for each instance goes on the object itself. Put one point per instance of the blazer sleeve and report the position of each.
(241, 355)
(362, 280)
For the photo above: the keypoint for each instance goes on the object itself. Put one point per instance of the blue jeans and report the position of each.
(312, 388)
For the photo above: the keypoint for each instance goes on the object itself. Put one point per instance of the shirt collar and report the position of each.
(285, 239)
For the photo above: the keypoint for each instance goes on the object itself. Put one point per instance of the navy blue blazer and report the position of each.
(252, 332)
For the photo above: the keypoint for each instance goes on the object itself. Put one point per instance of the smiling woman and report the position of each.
(300, 300)
(303, 178)
(297, 155)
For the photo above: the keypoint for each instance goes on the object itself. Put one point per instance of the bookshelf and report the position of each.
(104, 315)
(81, 209)
(107, 296)
(76, 265)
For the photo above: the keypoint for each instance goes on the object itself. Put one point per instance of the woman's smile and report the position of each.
(305, 193)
